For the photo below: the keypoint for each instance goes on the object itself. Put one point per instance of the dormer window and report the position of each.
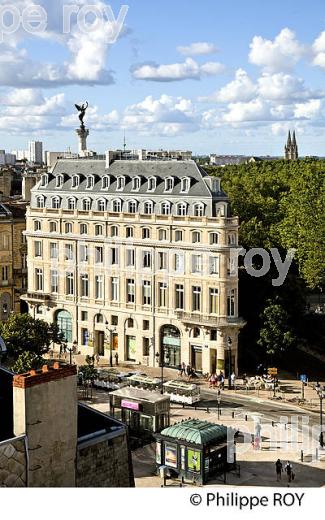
(44, 180)
(56, 203)
(71, 203)
(105, 182)
(132, 206)
(117, 206)
(165, 208)
(101, 205)
(90, 182)
(148, 207)
(120, 183)
(59, 181)
(136, 184)
(185, 185)
(169, 184)
(40, 202)
(75, 181)
(86, 204)
(152, 183)
(181, 209)
(198, 210)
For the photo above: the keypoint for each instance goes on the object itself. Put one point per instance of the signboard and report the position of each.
(303, 378)
(194, 460)
(171, 456)
(272, 371)
(130, 405)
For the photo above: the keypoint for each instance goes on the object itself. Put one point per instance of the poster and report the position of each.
(194, 460)
(171, 456)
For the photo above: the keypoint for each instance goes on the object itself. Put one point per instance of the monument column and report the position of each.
(82, 133)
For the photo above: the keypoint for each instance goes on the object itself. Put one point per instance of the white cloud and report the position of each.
(307, 110)
(197, 49)
(282, 86)
(278, 55)
(255, 110)
(241, 88)
(189, 69)
(318, 48)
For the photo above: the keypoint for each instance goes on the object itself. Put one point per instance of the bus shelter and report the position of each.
(143, 411)
(195, 450)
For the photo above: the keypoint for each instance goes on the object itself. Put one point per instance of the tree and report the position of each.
(276, 335)
(22, 333)
(27, 361)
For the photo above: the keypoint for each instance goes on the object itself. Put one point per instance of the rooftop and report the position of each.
(195, 431)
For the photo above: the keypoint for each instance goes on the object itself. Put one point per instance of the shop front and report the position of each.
(145, 412)
(196, 357)
(170, 339)
(195, 451)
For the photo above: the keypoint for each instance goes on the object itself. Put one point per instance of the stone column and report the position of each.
(82, 133)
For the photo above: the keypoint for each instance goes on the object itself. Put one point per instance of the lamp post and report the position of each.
(111, 332)
(229, 343)
(219, 402)
(321, 395)
(162, 357)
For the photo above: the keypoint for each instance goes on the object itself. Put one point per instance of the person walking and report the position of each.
(116, 358)
(97, 359)
(183, 369)
(288, 470)
(278, 469)
(233, 380)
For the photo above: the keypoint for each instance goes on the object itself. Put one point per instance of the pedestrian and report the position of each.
(222, 381)
(183, 369)
(97, 359)
(233, 380)
(212, 381)
(116, 358)
(288, 470)
(278, 469)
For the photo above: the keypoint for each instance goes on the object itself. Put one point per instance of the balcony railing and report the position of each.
(208, 320)
(38, 297)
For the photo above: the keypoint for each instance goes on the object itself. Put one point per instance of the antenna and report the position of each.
(124, 142)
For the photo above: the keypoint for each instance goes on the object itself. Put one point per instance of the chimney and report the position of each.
(45, 410)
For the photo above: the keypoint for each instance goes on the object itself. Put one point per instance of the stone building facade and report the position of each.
(13, 257)
(135, 257)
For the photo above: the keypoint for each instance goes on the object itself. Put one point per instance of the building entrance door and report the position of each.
(196, 358)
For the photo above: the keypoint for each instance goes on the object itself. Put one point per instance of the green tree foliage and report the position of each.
(22, 333)
(26, 361)
(276, 336)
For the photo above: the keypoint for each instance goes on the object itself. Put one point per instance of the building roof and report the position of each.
(139, 395)
(195, 431)
(129, 169)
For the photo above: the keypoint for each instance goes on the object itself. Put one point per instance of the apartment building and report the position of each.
(135, 257)
(13, 257)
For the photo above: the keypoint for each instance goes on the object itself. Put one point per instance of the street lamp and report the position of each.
(162, 357)
(321, 395)
(111, 332)
(229, 343)
(219, 402)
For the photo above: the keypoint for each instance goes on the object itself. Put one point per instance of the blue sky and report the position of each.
(211, 76)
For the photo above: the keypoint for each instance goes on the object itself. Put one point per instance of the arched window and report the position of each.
(145, 233)
(162, 234)
(196, 237)
(75, 181)
(37, 225)
(220, 210)
(117, 206)
(132, 206)
(71, 203)
(114, 231)
(169, 184)
(152, 183)
(98, 230)
(120, 183)
(90, 182)
(165, 208)
(148, 207)
(185, 184)
(129, 232)
(198, 210)
(64, 321)
(83, 229)
(53, 227)
(68, 228)
(59, 181)
(136, 183)
(196, 333)
(214, 238)
(56, 202)
(40, 202)
(182, 209)
(101, 205)
(86, 204)
(105, 182)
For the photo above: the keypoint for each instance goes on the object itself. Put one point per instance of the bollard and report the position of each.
(208, 409)
(273, 423)
(246, 418)
(301, 455)
(233, 415)
(316, 453)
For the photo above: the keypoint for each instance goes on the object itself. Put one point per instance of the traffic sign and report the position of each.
(272, 371)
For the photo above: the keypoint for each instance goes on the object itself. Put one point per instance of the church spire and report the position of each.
(291, 148)
(289, 139)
